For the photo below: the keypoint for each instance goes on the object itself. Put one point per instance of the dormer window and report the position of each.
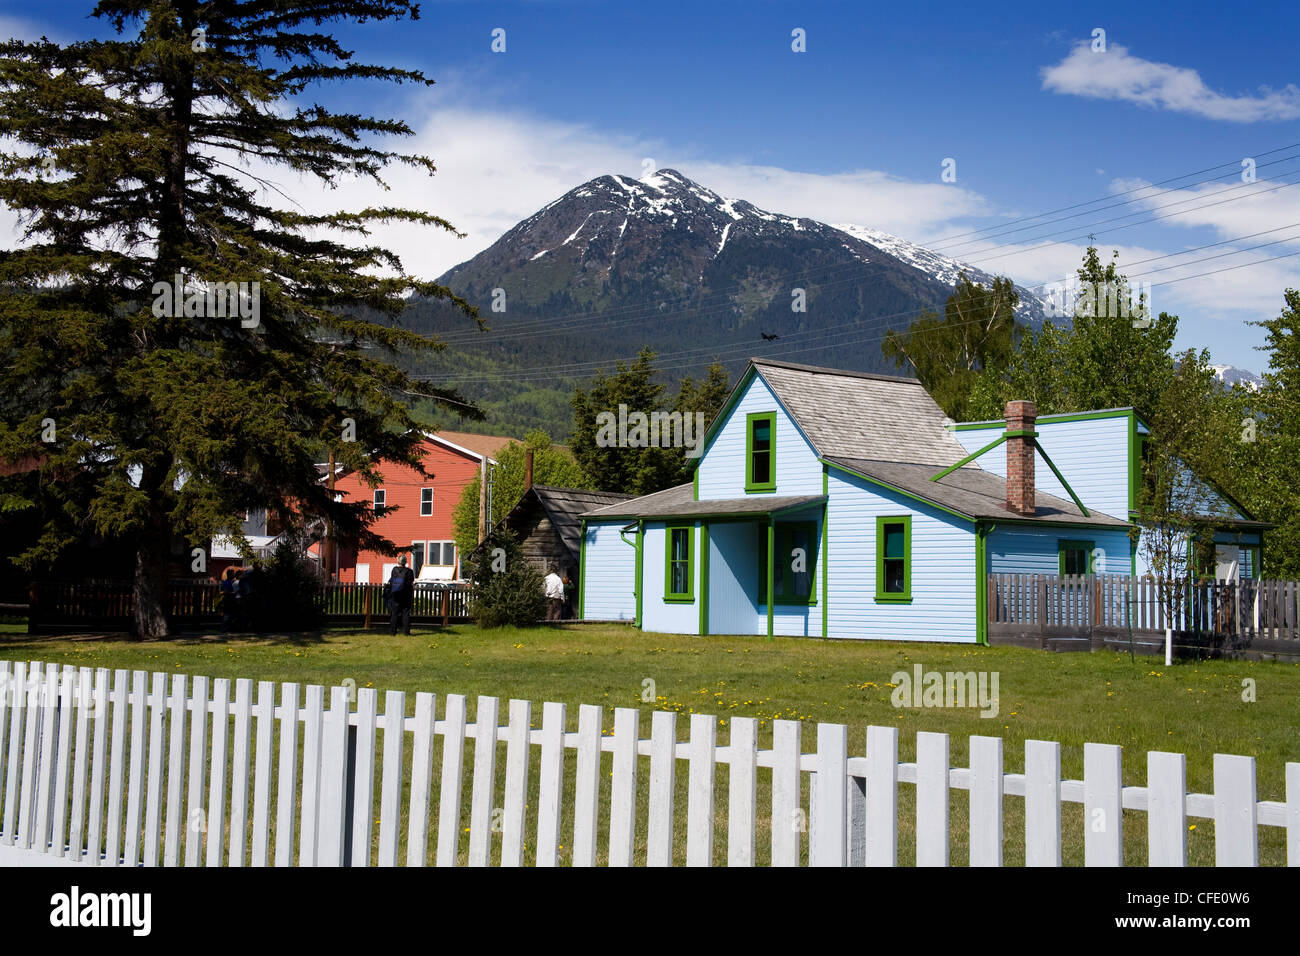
(760, 452)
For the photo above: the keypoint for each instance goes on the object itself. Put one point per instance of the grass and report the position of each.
(1195, 708)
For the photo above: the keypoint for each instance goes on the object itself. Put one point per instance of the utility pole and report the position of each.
(327, 551)
(482, 499)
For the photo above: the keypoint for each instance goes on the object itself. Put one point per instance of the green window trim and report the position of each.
(883, 523)
(752, 486)
(1064, 546)
(784, 532)
(686, 561)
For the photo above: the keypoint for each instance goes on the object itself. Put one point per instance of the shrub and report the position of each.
(288, 595)
(507, 589)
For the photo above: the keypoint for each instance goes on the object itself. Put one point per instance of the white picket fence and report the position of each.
(135, 772)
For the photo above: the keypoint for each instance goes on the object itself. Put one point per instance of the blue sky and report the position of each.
(855, 128)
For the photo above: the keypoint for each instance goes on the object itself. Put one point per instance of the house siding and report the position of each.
(722, 466)
(610, 573)
(943, 568)
(1037, 550)
(668, 617)
(1091, 454)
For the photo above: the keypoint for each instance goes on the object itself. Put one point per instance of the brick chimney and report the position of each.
(1020, 457)
(528, 470)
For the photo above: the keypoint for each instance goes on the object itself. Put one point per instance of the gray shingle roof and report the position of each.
(973, 492)
(679, 502)
(565, 507)
(860, 415)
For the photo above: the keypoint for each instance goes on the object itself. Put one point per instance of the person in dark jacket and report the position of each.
(401, 595)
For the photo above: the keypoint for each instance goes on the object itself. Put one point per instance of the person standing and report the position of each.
(227, 606)
(401, 595)
(554, 595)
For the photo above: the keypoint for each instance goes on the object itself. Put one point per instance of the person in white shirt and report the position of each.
(554, 595)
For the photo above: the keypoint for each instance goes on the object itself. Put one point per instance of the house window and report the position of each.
(679, 572)
(426, 502)
(796, 561)
(894, 558)
(1075, 557)
(760, 452)
(380, 499)
(442, 553)
(417, 556)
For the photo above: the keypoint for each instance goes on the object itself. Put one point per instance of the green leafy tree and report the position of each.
(1099, 360)
(1268, 444)
(640, 470)
(139, 159)
(551, 466)
(507, 589)
(978, 329)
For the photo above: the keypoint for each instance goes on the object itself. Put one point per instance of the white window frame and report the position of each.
(423, 513)
(380, 500)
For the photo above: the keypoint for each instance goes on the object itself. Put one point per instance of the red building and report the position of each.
(414, 511)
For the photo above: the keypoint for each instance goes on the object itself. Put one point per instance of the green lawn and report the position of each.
(1195, 708)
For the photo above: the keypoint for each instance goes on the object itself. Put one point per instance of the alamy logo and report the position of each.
(924, 688)
(656, 430)
(208, 300)
(74, 909)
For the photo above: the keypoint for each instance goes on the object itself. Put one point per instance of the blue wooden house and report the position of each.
(844, 504)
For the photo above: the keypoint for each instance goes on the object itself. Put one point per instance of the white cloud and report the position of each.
(1118, 75)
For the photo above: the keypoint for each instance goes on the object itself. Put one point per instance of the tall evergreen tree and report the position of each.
(132, 162)
(632, 468)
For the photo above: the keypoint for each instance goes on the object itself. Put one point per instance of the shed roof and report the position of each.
(679, 502)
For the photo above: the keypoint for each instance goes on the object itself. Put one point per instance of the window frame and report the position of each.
(688, 596)
(751, 486)
(423, 492)
(419, 552)
(782, 533)
(1074, 544)
(893, 597)
(379, 502)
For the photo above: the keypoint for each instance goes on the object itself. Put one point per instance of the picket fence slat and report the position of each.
(1166, 809)
(1042, 803)
(390, 794)
(99, 777)
(116, 768)
(931, 799)
(514, 815)
(622, 800)
(663, 778)
(87, 756)
(264, 717)
(586, 807)
(1235, 811)
(77, 823)
(288, 777)
(363, 784)
(742, 791)
(215, 821)
(453, 764)
(176, 821)
(483, 785)
(700, 779)
(239, 764)
(550, 783)
(1103, 821)
(787, 814)
(986, 801)
(417, 836)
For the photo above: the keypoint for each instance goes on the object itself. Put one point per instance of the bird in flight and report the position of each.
(769, 338)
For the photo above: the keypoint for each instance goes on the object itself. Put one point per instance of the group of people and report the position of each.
(238, 599)
(401, 595)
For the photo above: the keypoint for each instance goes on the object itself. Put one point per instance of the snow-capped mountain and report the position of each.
(1232, 375)
(618, 263)
(1031, 307)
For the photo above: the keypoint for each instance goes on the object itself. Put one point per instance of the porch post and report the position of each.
(771, 574)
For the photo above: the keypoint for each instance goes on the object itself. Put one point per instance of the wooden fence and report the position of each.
(160, 770)
(1089, 612)
(108, 605)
